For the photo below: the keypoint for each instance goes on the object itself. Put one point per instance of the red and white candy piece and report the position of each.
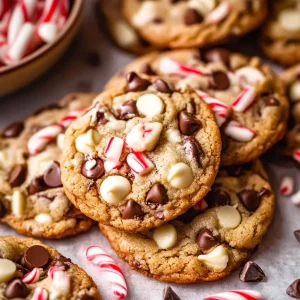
(249, 76)
(4, 22)
(287, 185)
(48, 32)
(219, 13)
(113, 273)
(296, 198)
(52, 270)
(219, 108)
(238, 132)
(4, 6)
(72, 116)
(245, 99)
(32, 277)
(139, 163)
(61, 284)
(236, 295)
(171, 66)
(112, 153)
(40, 294)
(296, 155)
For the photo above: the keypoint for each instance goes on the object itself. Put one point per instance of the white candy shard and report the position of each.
(32, 277)
(43, 218)
(296, 155)
(18, 203)
(294, 91)
(174, 135)
(150, 105)
(249, 76)
(86, 143)
(238, 132)
(7, 270)
(180, 176)
(40, 294)
(289, 19)
(112, 153)
(216, 259)
(287, 185)
(236, 295)
(245, 99)
(165, 236)
(61, 286)
(219, 13)
(229, 216)
(139, 163)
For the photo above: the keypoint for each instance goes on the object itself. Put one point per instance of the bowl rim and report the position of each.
(75, 12)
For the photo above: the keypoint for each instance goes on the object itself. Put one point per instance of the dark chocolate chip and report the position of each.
(156, 196)
(192, 146)
(13, 130)
(159, 215)
(75, 213)
(135, 83)
(192, 16)
(162, 86)
(218, 55)
(128, 110)
(251, 272)
(52, 176)
(294, 289)
(250, 199)
(146, 69)
(169, 294)
(21, 271)
(188, 123)
(206, 240)
(217, 197)
(100, 116)
(3, 210)
(17, 175)
(219, 80)
(62, 262)
(96, 171)
(296, 234)
(37, 184)
(133, 210)
(16, 289)
(36, 256)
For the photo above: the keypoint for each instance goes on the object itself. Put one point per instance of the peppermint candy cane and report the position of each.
(64, 12)
(52, 270)
(236, 295)
(99, 257)
(219, 108)
(139, 163)
(171, 66)
(245, 99)
(40, 294)
(219, 13)
(287, 185)
(112, 153)
(238, 132)
(32, 277)
(296, 155)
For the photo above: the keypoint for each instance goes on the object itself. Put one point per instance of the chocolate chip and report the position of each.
(159, 215)
(218, 55)
(296, 234)
(206, 240)
(13, 130)
(37, 184)
(36, 256)
(100, 117)
(20, 271)
(217, 197)
(3, 210)
(294, 289)
(188, 123)
(75, 213)
(135, 83)
(192, 146)
(219, 80)
(62, 262)
(93, 171)
(191, 17)
(133, 211)
(250, 199)
(85, 297)
(169, 294)
(52, 176)
(16, 289)
(146, 69)
(128, 110)
(162, 86)
(156, 196)
(251, 272)
(17, 175)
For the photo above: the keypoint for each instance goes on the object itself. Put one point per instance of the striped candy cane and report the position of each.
(244, 99)
(139, 163)
(239, 132)
(32, 277)
(236, 295)
(219, 108)
(40, 294)
(114, 274)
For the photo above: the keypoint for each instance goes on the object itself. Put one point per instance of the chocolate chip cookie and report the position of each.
(32, 270)
(193, 23)
(32, 199)
(248, 100)
(211, 239)
(280, 38)
(142, 155)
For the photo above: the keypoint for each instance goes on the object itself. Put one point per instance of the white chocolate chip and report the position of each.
(7, 270)
(124, 34)
(18, 203)
(294, 91)
(115, 189)
(43, 218)
(180, 176)
(289, 19)
(150, 105)
(216, 259)
(148, 11)
(202, 6)
(144, 136)
(165, 236)
(60, 141)
(86, 143)
(229, 216)
(173, 135)
(249, 75)
(117, 125)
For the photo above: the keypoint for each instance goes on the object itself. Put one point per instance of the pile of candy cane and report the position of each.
(25, 25)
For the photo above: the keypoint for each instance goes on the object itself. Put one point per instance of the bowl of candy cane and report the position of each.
(34, 34)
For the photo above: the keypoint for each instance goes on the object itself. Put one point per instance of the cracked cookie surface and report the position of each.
(211, 239)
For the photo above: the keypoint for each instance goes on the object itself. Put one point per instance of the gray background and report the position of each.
(279, 252)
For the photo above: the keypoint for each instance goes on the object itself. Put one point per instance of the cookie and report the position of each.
(280, 37)
(248, 100)
(193, 23)
(204, 244)
(142, 155)
(119, 30)
(32, 199)
(31, 270)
